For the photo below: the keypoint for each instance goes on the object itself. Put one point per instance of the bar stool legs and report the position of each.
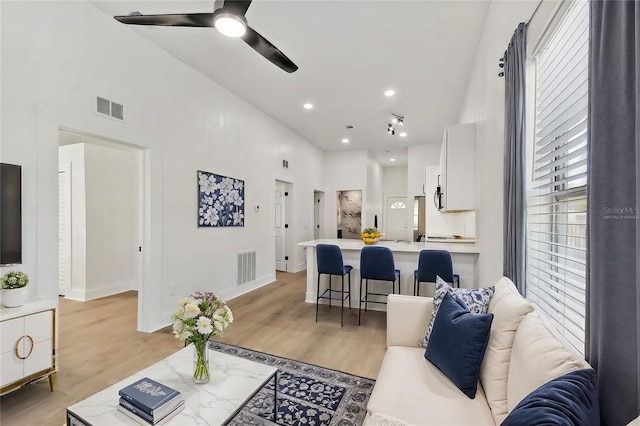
(344, 294)
(365, 300)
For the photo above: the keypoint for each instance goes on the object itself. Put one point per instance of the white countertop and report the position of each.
(405, 246)
(451, 240)
(30, 307)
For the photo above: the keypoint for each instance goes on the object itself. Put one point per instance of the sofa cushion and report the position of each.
(539, 354)
(508, 308)
(457, 344)
(415, 391)
(571, 399)
(407, 319)
(476, 299)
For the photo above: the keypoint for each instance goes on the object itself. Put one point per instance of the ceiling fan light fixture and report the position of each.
(230, 25)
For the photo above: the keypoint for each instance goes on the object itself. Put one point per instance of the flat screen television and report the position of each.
(10, 214)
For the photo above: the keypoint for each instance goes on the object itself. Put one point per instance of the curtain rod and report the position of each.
(534, 13)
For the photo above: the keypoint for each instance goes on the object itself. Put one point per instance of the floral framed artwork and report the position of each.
(220, 200)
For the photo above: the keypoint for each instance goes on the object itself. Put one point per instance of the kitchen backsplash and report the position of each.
(461, 224)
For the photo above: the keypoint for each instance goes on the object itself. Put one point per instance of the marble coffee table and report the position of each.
(234, 381)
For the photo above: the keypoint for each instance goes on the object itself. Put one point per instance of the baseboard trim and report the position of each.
(230, 294)
(97, 293)
(300, 267)
(247, 287)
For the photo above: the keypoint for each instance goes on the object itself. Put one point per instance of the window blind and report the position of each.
(556, 199)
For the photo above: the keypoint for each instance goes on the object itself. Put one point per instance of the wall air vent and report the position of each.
(109, 108)
(103, 106)
(246, 267)
(117, 111)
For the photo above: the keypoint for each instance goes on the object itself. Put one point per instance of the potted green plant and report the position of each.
(14, 288)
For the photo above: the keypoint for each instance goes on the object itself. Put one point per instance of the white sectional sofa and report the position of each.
(524, 351)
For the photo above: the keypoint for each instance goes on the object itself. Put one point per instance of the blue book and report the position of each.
(149, 395)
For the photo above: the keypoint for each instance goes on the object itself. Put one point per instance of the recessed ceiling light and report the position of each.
(392, 159)
(307, 105)
(403, 134)
(345, 140)
(389, 92)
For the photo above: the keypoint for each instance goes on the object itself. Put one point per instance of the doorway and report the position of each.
(281, 203)
(396, 226)
(101, 222)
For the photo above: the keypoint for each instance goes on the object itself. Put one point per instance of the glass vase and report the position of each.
(201, 372)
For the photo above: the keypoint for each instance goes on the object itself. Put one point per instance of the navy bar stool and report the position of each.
(376, 263)
(329, 260)
(432, 263)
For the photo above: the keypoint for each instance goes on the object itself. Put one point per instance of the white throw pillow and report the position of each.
(539, 354)
(508, 308)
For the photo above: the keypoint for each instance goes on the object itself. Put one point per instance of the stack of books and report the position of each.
(149, 402)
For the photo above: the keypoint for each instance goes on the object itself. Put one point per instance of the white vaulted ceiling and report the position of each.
(348, 54)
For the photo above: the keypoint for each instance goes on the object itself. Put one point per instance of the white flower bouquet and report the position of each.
(198, 318)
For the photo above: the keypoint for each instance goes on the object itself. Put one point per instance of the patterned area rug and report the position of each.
(307, 394)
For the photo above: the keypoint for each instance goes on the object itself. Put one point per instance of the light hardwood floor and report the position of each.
(99, 346)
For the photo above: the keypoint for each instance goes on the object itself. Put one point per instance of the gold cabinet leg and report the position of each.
(52, 380)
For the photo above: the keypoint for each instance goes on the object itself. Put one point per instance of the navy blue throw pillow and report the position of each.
(571, 399)
(458, 342)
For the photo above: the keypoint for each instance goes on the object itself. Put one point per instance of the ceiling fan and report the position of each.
(228, 18)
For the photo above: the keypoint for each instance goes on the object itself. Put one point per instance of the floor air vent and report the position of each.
(246, 266)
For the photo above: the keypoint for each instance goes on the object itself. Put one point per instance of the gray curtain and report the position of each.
(613, 217)
(514, 159)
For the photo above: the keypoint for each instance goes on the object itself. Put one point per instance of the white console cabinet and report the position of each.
(457, 168)
(27, 344)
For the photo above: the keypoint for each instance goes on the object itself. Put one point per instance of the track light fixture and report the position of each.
(397, 119)
(390, 129)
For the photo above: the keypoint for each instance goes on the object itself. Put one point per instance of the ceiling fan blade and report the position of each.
(237, 7)
(171, 20)
(268, 50)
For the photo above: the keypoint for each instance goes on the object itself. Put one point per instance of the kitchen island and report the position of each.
(464, 256)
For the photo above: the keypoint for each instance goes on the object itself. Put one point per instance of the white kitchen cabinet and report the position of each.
(457, 168)
(27, 344)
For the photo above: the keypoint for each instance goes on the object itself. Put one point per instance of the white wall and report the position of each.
(183, 121)
(484, 105)
(112, 220)
(373, 203)
(420, 156)
(394, 180)
(343, 170)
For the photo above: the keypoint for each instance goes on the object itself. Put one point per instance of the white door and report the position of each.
(64, 227)
(281, 227)
(396, 219)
